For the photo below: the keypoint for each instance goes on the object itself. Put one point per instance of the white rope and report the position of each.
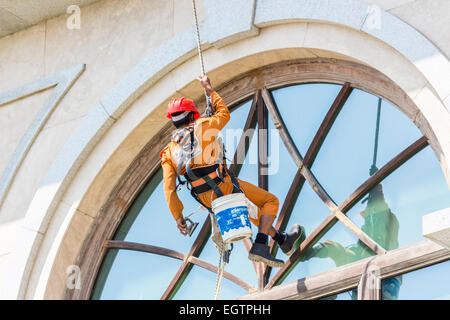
(200, 55)
(220, 268)
(222, 247)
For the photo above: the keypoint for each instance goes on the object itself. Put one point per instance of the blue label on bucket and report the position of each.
(233, 218)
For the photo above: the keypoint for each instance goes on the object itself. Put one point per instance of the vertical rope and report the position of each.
(209, 112)
(374, 168)
(200, 56)
(220, 268)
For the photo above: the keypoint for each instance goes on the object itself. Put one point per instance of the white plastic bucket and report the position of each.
(232, 217)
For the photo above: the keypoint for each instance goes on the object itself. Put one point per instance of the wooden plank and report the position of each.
(242, 147)
(208, 266)
(185, 267)
(346, 277)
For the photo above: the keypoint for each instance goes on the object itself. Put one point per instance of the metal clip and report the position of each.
(191, 226)
(227, 253)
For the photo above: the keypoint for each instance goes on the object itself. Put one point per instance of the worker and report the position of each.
(194, 147)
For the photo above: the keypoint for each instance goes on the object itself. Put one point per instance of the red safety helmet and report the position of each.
(182, 104)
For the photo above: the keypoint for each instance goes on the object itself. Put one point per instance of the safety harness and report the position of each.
(201, 173)
(188, 145)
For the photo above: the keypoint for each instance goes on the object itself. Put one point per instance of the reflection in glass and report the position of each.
(334, 249)
(430, 283)
(393, 213)
(127, 274)
(380, 224)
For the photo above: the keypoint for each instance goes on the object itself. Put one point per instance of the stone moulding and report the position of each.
(169, 56)
(61, 81)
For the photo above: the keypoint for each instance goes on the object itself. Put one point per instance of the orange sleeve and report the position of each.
(170, 182)
(222, 116)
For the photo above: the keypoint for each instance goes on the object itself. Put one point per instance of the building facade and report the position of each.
(345, 105)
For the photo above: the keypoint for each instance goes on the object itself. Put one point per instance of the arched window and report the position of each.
(346, 164)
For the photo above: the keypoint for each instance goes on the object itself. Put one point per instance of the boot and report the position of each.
(260, 253)
(296, 233)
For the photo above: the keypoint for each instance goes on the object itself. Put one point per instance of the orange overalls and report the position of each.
(206, 130)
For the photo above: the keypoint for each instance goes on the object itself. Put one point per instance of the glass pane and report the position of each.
(201, 285)
(336, 247)
(393, 214)
(346, 295)
(309, 211)
(431, 283)
(127, 274)
(346, 156)
(149, 220)
(303, 108)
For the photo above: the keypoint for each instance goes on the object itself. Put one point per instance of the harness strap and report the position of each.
(214, 186)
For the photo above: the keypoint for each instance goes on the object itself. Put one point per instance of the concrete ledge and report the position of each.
(436, 227)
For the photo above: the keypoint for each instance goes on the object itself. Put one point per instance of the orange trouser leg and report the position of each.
(266, 202)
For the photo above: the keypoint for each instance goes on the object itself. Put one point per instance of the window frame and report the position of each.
(257, 84)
